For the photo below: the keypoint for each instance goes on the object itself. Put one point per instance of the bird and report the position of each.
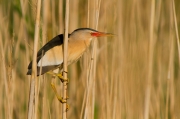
(50, 56)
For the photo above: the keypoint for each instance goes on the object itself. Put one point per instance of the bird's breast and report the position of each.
(76, 49)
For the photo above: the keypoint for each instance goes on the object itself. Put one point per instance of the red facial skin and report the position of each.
(97, 34)
(100, 34)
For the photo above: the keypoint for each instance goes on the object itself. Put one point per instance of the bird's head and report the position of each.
(88, 33)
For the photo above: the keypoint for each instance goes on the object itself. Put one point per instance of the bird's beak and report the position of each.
(101, 34)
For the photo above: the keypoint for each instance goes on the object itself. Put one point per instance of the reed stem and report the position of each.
(31, 105)
(65, 55)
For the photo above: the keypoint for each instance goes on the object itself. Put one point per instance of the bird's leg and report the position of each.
(61, 99)
(56, 93)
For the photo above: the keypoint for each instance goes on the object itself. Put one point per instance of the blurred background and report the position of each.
(134, 75)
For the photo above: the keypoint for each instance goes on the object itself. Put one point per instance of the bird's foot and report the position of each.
(60, 76)
(67, 107)
(61, 99)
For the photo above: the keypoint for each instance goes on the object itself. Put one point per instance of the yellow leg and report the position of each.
(54, 88)
(58, 97)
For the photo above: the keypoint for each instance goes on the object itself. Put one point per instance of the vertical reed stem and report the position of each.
(89, 110)
(31, 106)
(176, 27)
(150, 65)
(65, 55)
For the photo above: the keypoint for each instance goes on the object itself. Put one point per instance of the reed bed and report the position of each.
(134, 75)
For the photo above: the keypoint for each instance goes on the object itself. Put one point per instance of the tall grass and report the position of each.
(116, 86)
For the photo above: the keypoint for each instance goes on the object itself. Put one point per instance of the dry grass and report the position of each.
(145, 51)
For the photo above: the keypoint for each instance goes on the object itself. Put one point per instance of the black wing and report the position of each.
(56, 41)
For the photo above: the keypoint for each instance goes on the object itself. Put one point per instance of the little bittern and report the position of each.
(50, 56)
